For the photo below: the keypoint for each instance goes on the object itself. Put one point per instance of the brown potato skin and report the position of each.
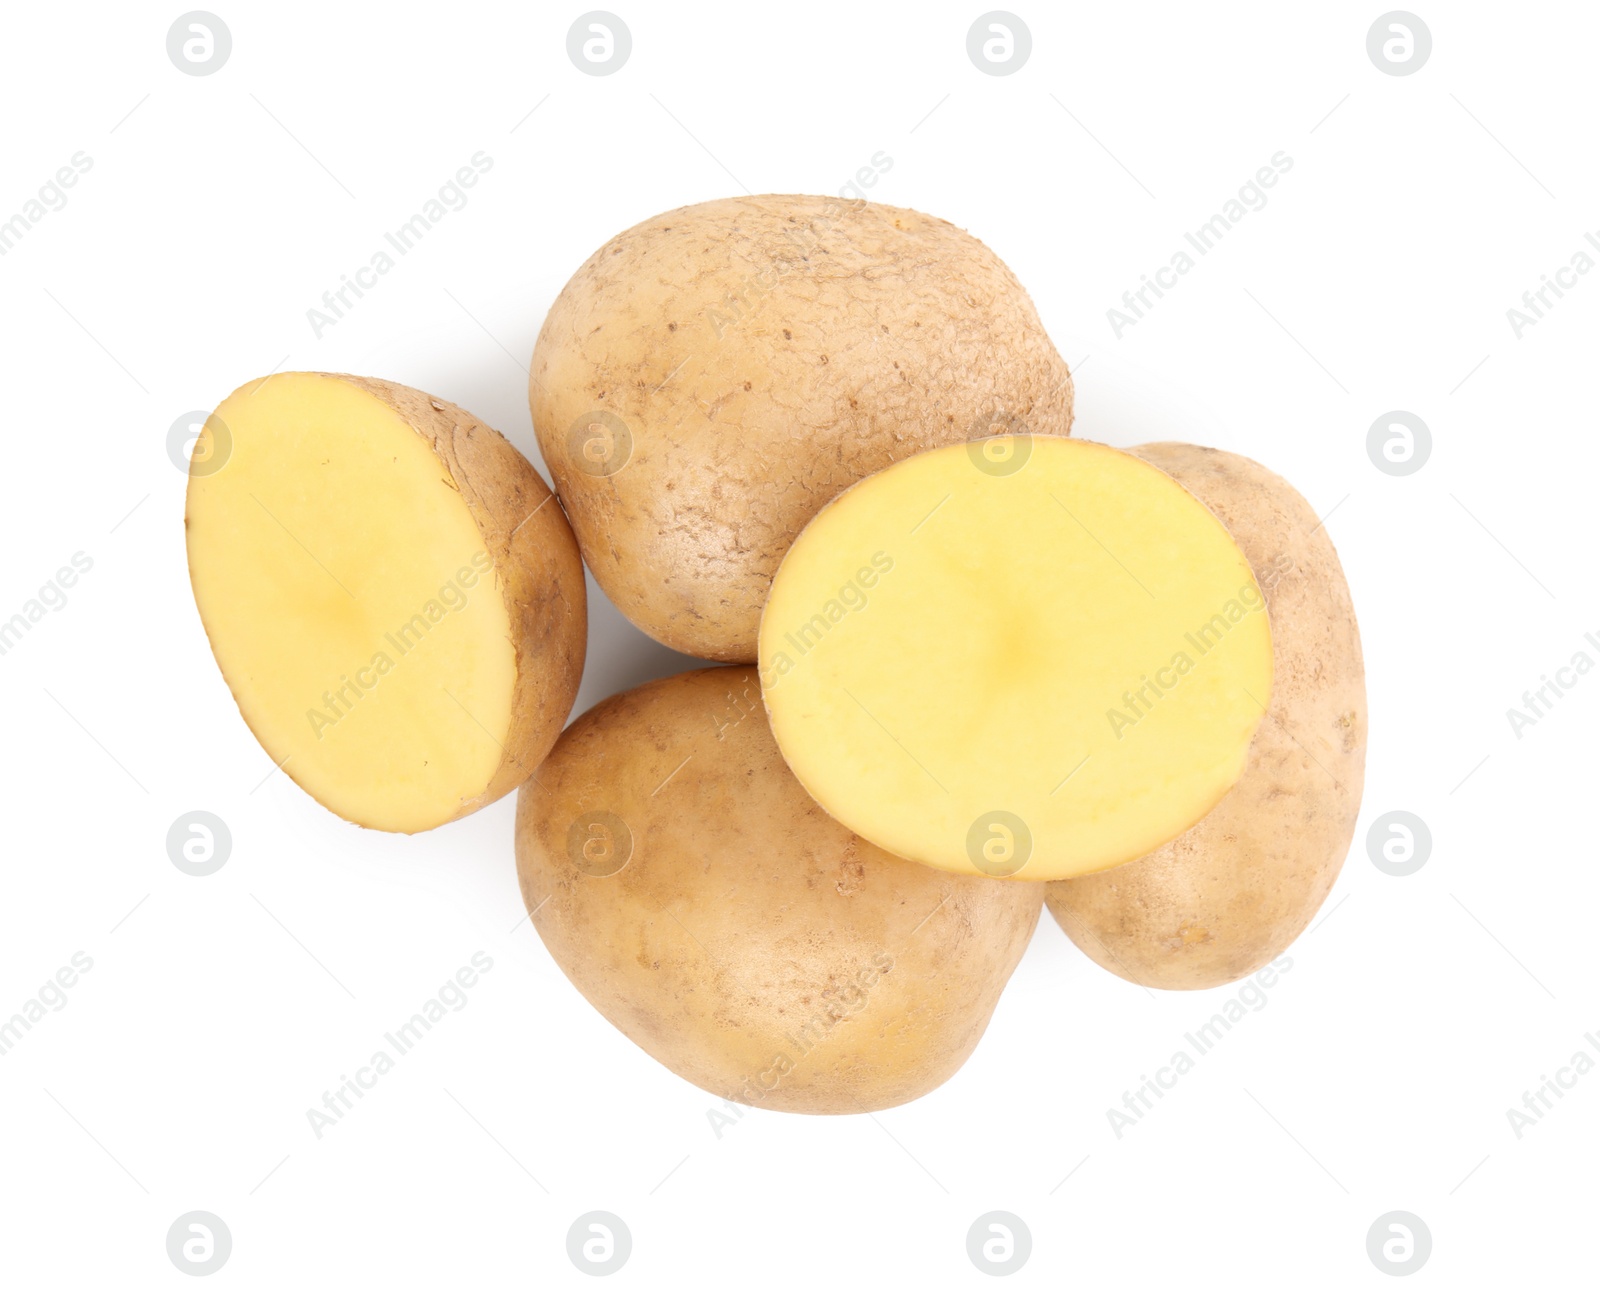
(765, 353)
(537, 570)
(747, 926)
(1229, 895)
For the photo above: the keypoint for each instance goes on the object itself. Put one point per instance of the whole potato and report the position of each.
(692, 891)
(1231, 893)
(712, 377)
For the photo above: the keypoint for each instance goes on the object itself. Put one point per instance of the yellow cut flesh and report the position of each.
(1030, 657)
(350, 601)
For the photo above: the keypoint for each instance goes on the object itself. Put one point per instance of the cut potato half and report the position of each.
(392, 593)
(1229, 896)
(1031, 657)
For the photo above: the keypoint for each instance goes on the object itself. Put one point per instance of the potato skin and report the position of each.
(1230, 894)
(764, 353)
(750, 943)
(537, 570)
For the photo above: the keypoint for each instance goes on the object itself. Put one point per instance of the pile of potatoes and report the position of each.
(964, 665)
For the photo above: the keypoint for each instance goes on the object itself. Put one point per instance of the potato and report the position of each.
(391, 591)
(712, 377)
(711, 911)
(1032, 658)
(1230, 895)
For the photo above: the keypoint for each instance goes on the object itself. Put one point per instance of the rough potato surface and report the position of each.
(1233, 892)
(749, 942)
(761, 355)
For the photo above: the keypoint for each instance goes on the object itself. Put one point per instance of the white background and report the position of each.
(218, 1010)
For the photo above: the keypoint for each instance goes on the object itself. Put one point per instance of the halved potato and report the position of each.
(1232, 893)
(1030, 657)
(391, 591)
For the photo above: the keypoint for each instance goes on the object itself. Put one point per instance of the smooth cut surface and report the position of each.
(1230, 895)
(1031, 657)
(351, 602)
